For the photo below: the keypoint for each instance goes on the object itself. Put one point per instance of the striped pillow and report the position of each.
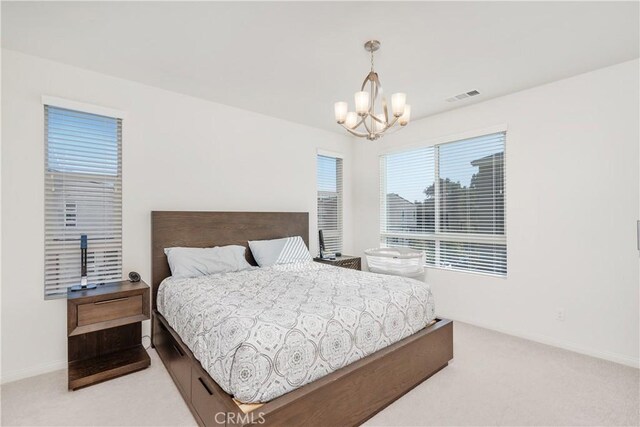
(279, 251)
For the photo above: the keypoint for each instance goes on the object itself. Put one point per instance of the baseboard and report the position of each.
(20, 374)
(606, 355)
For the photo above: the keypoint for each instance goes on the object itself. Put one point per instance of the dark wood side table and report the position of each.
(346, 261)
(104, 332)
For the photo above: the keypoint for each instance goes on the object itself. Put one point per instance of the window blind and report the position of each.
(329, 182)
(83, 195)
(448, 200)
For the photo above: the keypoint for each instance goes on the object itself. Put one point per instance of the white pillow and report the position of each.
(279, 251)
(194, 262)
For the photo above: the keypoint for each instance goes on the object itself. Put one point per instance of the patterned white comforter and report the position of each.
(263, 332)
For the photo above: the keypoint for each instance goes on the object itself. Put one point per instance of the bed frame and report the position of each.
(346, 397)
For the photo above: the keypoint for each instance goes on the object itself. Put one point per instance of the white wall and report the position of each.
(572, 202)
(179, 153)
(571, 246)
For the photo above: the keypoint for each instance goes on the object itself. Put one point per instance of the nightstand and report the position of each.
(346, 261)
(104, 332)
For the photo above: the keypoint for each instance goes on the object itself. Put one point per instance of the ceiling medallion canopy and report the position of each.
(365, 122)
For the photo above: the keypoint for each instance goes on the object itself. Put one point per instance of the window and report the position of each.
(329, 180)
(448, 200)
(83, 195)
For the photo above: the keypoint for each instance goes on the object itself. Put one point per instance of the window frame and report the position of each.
(83, 108)
(438, 236)
(337, 156)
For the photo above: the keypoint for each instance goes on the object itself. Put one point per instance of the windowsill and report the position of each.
(474, 273)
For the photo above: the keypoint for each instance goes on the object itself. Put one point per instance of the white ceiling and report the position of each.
(294, 60)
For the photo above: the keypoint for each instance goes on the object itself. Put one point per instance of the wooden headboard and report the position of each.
(208, 229)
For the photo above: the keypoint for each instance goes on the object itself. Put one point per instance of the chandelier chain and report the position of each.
(371, 60)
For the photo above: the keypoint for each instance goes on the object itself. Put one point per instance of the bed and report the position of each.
(240, 378)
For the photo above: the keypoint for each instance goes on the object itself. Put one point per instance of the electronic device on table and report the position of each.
(323, 253)
(83, 266)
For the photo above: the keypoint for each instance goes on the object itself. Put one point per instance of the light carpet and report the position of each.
(495, 379)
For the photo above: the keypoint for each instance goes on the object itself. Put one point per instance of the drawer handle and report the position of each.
(109, 301)
(205, 386)
(176, 348)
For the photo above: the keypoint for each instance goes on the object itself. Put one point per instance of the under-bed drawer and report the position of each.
(176, 360)
(206, 400)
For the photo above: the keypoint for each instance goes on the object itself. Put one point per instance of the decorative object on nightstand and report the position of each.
(104, 332)
(346, 261)
(323, 251)
(83, 266)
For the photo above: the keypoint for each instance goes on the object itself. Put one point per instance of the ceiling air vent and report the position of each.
(463, 96)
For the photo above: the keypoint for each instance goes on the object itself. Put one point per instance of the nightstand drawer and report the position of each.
(102, 311)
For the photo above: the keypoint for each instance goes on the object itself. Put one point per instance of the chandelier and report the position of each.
(365, 122)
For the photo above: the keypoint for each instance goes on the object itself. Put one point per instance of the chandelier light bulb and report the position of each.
(406, 116)
(398, 101)
(352, 120)
(341, 111)
(362, 103)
